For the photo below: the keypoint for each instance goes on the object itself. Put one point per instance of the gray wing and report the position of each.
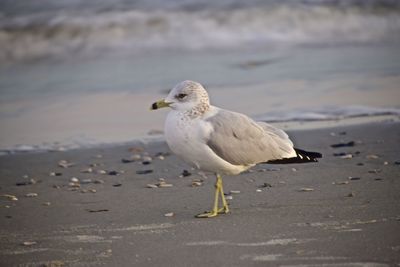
(241, 141)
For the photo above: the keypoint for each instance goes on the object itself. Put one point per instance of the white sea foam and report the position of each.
(327, 113)
(27, 36)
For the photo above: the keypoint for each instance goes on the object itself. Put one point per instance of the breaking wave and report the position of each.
(327, 113)
(64, 32)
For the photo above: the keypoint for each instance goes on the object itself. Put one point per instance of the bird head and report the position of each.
(184, 96)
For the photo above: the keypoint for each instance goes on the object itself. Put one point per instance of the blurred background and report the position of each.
(76, 73)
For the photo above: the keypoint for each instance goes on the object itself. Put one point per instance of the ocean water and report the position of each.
(81, 73)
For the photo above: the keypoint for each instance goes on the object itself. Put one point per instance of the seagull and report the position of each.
(220, 141)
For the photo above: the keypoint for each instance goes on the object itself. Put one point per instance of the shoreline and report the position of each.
(341, 211)
(156, 135)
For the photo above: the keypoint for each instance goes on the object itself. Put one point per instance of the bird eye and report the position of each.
(181, 96)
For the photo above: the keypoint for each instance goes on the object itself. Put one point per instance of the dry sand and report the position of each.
(291, 215)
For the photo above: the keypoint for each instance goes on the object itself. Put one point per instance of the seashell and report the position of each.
(88, 170)
(31, 195)
(341, 183)
(196, 183)
(169, 214)
(306, 189)
(164, 184)
(10, 197)
(74, 180)
(65, 164)
(29, 243)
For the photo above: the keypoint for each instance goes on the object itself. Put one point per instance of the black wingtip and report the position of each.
(302, 156)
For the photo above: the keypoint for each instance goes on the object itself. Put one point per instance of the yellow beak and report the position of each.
(159, 104)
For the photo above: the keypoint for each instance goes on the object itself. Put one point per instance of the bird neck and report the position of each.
(198, 110)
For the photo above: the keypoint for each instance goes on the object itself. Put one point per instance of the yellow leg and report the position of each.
(225, 208)
(218, 191)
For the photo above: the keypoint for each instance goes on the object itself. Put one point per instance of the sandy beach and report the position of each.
(114, 206)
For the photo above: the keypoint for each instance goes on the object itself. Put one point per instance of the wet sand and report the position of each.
(342, 211)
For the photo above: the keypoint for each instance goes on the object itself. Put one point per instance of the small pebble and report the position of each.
(144, 171)
(375, 171)
(161, 157)
(151, 186)
(114, 172)
(74, 185)
(29, 243)
(349, 144)
(234, 192)
(98, 156)
(294, 170)
(258, 190)
(147, 158)
(360, 164)
(352, 194)
(23, 183)
(347, 156)
(117, 185)
(397, 163)
(306, 189)
(92, 190)
(185, 173)
(31, 195)
(169, 214)
(127, 160)
(98, 181)
(385, 163)
(229, 197)
(55, 174)
(372, 156)
(354, 178)
(264, 185)
(136, 157)
(378, 179)
(74, 180)
(101, 172)
(46, 203)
